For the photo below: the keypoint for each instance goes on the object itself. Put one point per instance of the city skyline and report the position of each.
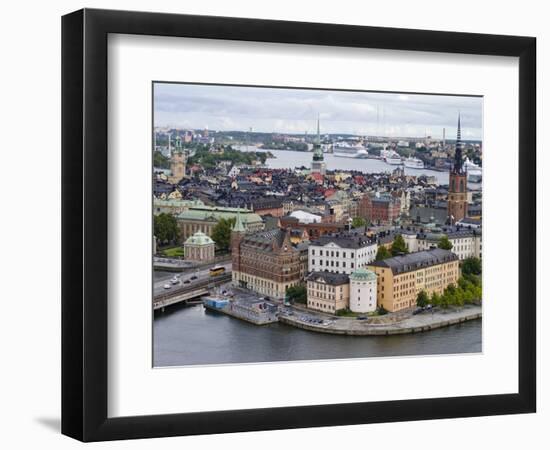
(295, 111)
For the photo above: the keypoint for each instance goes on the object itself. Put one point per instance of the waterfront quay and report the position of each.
(407, 323)
(242, 304)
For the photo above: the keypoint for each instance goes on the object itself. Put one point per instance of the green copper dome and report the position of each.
(199, 238)
(363, 274)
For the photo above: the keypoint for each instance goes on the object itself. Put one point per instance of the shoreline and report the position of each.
(414, 324)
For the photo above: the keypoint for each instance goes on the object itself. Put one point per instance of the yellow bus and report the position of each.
(217, 270)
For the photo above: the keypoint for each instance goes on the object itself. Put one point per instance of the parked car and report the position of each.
(194, 277)
(186, 282)
(167, 286)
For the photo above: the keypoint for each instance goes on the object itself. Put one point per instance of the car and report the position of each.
(186, 282)
(174, 280)
(194, 277)
(362, 318)
(167, 286)
(417, 311)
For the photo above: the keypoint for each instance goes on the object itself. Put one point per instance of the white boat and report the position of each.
(349, 150)
(471, 168)
(391, 157)
(413, 163)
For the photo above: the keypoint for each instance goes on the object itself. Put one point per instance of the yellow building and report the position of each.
(401, 278)
(327, 292)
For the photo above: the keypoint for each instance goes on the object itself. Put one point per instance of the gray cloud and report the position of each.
(295, 110)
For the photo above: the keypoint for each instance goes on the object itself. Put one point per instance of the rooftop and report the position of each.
(344, 241)
(417, 260)
(334, 279)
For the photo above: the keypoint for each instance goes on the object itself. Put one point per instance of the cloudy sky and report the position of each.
(231, 108)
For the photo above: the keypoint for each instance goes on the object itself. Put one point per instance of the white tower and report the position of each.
(362, 291)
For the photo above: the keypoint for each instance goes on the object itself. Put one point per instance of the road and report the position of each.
(202, 274)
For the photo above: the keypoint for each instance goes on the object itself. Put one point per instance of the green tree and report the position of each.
(399, 246)
(382, 253)
(221, 233)
(471, 266)
(435, 299)
(166, 228)
(422, 299)
(358, 222)
(160, 161)
(297, 293)
(444, 243)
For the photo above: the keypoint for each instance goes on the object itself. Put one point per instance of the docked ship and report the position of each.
(414, 163)
(472, 169)
(391, 157)
(349, 150)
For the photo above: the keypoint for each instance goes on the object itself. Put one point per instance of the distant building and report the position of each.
(466, 241)
(174, 206)
(401, 278)
(379, 208)
(199, 248)
(314, 230)
(362, 291)
(268, 206)
(327, 292)
(342, 253)
(266, 261)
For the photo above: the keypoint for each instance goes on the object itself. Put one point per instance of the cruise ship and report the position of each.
(391, 157)
(471, 168)
(414, 163)
(348, 150)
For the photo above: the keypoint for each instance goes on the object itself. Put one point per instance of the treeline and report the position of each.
(296, 146)
(209, 160)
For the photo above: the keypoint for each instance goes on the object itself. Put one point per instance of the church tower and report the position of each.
(318, 164)
(237, 234)
(177, 163)
(457, 205)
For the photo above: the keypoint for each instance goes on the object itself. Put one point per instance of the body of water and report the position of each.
(288, 159)
(191, 335)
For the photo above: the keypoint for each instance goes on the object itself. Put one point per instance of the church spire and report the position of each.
(238, 227)
(317, 150)
(457, 168)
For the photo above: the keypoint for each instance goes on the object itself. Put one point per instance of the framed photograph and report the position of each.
(273, 224)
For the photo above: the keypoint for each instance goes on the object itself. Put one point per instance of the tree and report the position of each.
(221, 233)
(422, 299)
(297, 294)
(444, 243)
(399, 246)
(358, 222)
(435, 299)
(166, 228)
(160, 161)
(382, 253)
(471, 266)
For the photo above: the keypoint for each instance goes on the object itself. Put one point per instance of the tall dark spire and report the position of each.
(317, 150)
(457, 167)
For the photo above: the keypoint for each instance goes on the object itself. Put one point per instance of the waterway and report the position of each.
(289, 159)
(191, 335)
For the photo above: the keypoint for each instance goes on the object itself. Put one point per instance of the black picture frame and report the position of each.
(84, 224)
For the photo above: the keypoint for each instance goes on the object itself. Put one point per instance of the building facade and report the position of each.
(199, 248)
(342, 253)
(327, 292)
(401, 278)
(266, 261)
(362, 291)
(381, 209)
